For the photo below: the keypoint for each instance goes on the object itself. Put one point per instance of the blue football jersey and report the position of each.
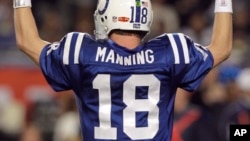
(125, 94)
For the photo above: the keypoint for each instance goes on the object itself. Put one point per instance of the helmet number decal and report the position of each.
(144, 19)
(139, 13)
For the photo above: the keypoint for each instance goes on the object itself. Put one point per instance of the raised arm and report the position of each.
(27, 35)
(221, 44)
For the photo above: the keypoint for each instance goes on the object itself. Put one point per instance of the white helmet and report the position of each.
(134, 15)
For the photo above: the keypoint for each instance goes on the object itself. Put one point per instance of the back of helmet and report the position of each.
(130, 15)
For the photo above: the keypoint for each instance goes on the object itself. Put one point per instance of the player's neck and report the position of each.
(128, 41)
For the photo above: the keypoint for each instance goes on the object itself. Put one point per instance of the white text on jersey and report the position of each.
(139, 58)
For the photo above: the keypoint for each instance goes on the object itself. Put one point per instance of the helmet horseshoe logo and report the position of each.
(101, 12)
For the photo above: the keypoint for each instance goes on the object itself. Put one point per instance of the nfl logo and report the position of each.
(145, 4)
(114, 19)
(223, 3)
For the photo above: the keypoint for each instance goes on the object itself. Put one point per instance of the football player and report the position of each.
(125, 88)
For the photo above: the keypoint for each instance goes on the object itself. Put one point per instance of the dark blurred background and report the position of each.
(31, 111)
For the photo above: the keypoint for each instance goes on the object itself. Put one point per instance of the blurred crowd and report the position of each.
(205, 115)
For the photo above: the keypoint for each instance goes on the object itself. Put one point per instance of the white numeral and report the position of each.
(105, 131)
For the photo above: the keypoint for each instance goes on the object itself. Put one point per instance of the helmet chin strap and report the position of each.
(100, 31)
(99, 35)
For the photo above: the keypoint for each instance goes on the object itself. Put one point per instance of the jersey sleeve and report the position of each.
(192, 61)
(55, 60)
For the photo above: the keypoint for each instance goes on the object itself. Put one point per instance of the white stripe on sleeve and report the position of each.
(78, 48)
(67, 49)
(185, 48)
(175, 48)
